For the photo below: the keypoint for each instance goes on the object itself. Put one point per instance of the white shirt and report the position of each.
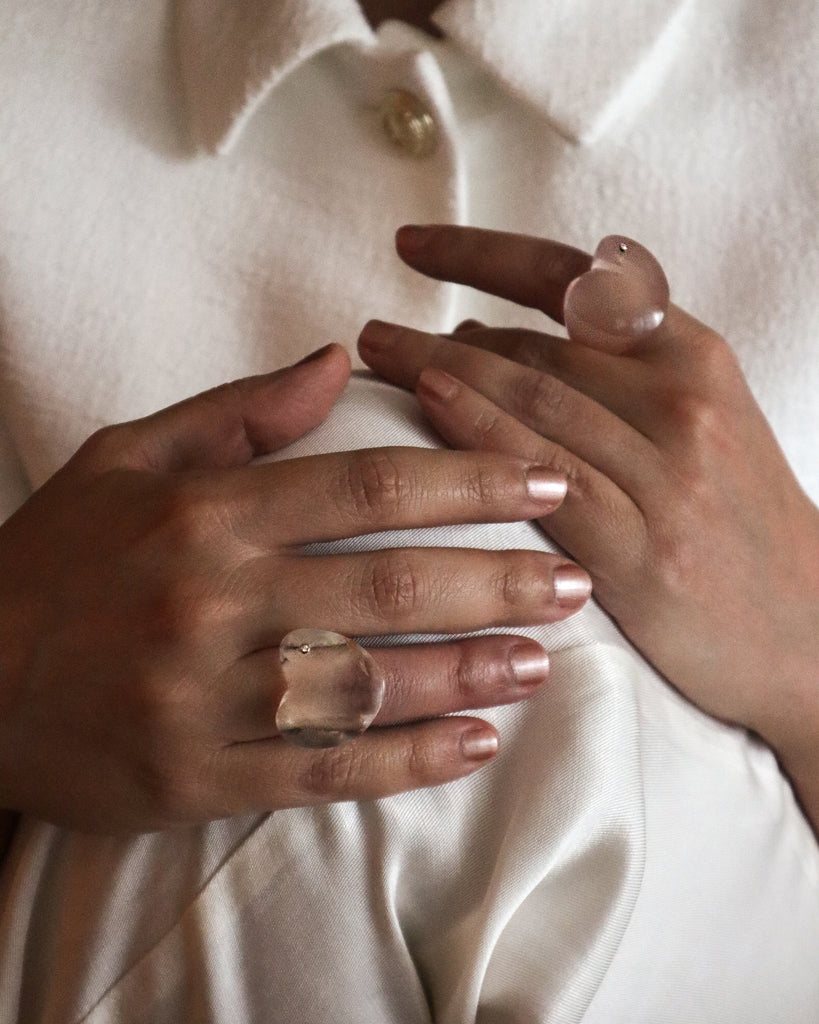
(627, 858)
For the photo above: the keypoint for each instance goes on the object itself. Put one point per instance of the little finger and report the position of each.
(271, 774)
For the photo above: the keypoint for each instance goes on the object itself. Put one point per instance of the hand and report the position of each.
(144, 590)
(698, 538)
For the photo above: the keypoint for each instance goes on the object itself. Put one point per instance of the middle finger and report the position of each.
(409, 590)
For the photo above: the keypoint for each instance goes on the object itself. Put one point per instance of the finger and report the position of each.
(596, 516)
(665, 385)
(626, 387)
(532, 272)
(410, 590)
(346, 494)
(618, 304)
(540, 401)
(421, 681)
(230, 424)
(272, 774)
(468, 325)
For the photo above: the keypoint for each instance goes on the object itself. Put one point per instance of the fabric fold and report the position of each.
(231, 55)
(619, 54)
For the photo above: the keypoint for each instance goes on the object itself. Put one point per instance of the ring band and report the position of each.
(333, 689)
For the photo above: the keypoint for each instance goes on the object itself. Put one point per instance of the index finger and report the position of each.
(349, 494)
(530, 271)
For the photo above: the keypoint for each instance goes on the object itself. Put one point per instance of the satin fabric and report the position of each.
(626, 858)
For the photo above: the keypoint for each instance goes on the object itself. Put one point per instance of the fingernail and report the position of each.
(479, 745)
(469, 325)
(411, 238)
(545, 485)
(377, 335)
(530, 664)
(318, 354)
(572, 586)
(437, 384)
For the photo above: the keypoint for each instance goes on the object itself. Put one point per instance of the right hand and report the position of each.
(145, 587)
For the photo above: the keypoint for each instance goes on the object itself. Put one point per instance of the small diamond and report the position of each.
(623, 247)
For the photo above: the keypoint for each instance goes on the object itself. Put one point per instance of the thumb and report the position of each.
(231, 424)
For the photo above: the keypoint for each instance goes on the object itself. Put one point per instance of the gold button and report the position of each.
(408, 123)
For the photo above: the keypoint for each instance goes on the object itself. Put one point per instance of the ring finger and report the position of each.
(421, 681)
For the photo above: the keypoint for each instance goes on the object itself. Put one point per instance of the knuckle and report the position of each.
(160, 708)
(487, 429)
(695, 417)
(332, 773)
(484, 485)
(184, 611)
(170, 790)
(712, 353)
(187, 517)
(471, 678)
(165, 762)
(392, 587)
(673, 558)
(104, 448)
(538, 397)
(521, 584)
(375, 486)
(530, 349)
(420, 762)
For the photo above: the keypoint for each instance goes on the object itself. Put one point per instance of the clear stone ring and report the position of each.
(333, 689)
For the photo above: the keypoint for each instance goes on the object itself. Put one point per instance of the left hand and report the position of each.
(699, 540)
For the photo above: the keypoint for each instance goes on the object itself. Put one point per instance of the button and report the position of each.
(408, 123)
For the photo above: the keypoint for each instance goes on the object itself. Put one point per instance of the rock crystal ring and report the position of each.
(621, 299)
(333, 689)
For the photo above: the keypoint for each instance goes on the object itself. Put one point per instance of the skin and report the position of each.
(145, 588)
(657, 438)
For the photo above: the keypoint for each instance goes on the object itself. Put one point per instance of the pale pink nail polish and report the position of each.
(411, 238)
(544, 485)
(572, 586)
(530, 665)
(479, 745)
(377, 336)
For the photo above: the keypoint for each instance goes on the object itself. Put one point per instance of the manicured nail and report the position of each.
(377, 335)
(411, 238)
(314, 356)
(479, 745)
(469, 325)
(437, 384)
(530, 665)
(544, 485)
(572, 586)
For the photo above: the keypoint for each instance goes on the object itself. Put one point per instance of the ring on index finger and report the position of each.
(622, 298)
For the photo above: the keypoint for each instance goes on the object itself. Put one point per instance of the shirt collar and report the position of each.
(582, 63)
